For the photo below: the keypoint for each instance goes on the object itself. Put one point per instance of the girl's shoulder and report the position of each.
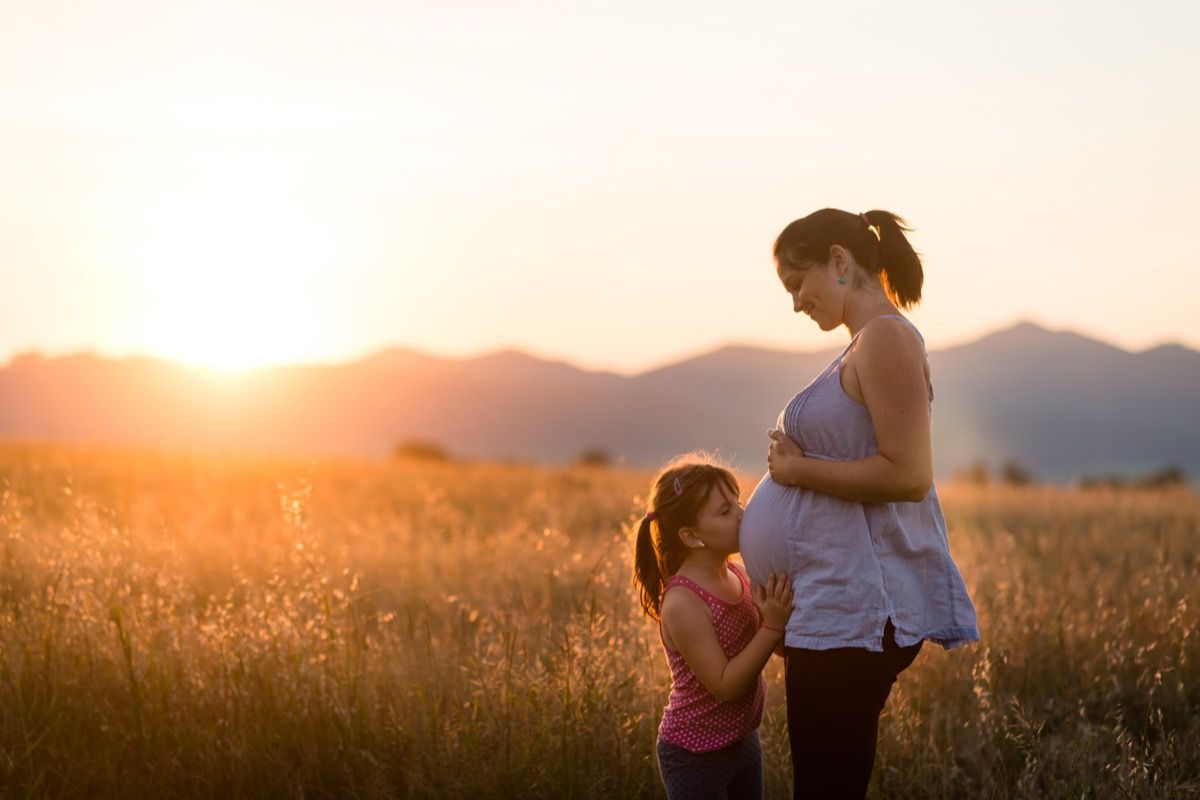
(710, 594)
(685, 587)
(683, 608)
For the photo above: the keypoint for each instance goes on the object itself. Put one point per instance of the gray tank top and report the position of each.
(853, 565)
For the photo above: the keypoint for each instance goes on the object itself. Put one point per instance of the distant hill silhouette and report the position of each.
(1060, 403)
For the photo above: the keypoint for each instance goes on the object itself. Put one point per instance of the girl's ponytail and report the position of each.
(898, 265)
(647, 571)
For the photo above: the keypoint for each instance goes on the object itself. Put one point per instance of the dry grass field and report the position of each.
(178, 626)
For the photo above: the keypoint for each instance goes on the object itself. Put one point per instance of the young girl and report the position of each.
(717, 633)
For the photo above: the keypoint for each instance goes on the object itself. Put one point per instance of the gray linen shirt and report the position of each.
(853, 565)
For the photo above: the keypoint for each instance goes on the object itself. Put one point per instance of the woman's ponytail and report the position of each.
(899, 265)
(876, 238)
(647, 571)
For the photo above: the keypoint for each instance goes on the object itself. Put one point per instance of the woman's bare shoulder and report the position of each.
(888, 339)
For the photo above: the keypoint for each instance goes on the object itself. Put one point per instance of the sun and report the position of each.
(233, 278)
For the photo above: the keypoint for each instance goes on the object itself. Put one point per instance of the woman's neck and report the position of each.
(868, 308)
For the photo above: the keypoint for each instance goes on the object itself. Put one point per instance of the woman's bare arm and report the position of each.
(890, 361)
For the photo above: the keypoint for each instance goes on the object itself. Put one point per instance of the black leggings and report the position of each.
(834, 698)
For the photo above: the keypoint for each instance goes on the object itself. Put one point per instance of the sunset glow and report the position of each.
(232, 276)
(233, 185)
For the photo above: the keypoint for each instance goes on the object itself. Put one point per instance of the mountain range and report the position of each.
(1061, 404)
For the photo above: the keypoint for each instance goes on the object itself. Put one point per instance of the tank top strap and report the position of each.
(905, 320)
(679, 580)
(742, 576)
(708, 597)
(837, 361)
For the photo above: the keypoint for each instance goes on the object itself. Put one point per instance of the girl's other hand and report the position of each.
(774, 600)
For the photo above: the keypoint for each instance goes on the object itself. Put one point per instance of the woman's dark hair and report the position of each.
(677, 494)
(876, 240)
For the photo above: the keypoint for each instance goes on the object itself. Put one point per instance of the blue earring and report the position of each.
(841, 279)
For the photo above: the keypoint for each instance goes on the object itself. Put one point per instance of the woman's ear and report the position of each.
(838, 258)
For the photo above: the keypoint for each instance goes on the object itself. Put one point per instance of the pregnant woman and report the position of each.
(848, 507)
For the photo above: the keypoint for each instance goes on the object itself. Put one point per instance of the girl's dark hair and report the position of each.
(888, 255)
(677, 494)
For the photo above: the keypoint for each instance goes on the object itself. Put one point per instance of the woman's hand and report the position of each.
(774, 600)
(783, 456)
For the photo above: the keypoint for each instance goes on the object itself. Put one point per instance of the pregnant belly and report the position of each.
(771, 519)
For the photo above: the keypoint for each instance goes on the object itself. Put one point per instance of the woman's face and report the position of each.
(815, 291)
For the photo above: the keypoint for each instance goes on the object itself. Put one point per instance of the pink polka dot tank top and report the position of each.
(693, 718)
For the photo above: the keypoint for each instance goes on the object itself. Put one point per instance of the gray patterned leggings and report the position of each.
(732, 773)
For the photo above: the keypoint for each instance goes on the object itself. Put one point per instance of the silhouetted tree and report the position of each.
(978, 474)
(1172, 475)
(1014, 473)
(594, 457)
(420, 450)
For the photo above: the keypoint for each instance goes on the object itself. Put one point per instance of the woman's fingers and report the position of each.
(778, 439)
(780, 453)
(782, 443)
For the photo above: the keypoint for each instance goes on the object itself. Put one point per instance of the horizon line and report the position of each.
(502, 349)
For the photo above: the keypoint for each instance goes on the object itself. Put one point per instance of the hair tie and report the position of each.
(872, 228)
(651, 516)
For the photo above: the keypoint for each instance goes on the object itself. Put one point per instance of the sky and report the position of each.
(240, 184)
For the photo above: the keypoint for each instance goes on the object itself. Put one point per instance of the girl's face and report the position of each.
(719, 519)
(815, 291)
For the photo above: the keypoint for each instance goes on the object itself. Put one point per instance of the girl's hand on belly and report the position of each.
(774, 601)
(783, 456)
